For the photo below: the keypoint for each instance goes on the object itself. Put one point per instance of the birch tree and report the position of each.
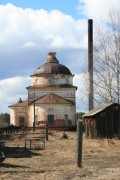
(107, 61)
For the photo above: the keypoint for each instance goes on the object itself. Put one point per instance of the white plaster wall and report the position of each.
(12, 116)
(16, 113)
(58, 110)
(31, 115)
(65, 93)
(52, 80)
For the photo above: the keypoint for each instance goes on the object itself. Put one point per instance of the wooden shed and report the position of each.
(103, 122)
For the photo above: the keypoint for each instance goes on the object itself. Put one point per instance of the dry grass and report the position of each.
(101, 160)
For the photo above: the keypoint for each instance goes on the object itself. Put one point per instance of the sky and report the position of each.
(30, 29)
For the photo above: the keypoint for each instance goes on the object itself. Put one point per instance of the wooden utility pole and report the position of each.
(79, 142)
(34, 118)
(34, 112)
(90, 63)
(46, 131)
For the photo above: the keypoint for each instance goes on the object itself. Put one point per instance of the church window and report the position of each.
(50, 119)
(66, 119)
(36, 120)
(21, 121)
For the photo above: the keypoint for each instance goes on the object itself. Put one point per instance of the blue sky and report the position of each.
(29, 29)
(65, 6)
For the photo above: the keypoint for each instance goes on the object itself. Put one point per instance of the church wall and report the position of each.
(12, 117)
(18, 113)
(68, 94)
(31, 115)
(52, 79)
(58, 110)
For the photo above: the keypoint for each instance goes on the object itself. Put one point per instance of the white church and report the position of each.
(51, 97)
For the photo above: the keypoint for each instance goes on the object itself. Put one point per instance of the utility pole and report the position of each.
(79, 142)
(34, 113)
(90, 63)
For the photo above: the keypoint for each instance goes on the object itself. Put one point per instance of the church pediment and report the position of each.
(52, 99)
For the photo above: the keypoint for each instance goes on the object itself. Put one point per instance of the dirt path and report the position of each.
(101, 160)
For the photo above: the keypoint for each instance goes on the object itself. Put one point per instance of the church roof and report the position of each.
(52, 66)
(20, 104)
(47, 99)
(52, 99)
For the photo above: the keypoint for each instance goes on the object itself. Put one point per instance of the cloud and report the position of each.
(81, 81)
(98, 9)
(29, 44)
(27, 35)
(50, 29)
(11, 90)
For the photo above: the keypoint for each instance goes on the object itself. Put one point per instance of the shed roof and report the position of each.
(99, 109)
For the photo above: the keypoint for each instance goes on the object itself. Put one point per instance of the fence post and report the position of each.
(33, 126)
(46, 131)
(79, 142)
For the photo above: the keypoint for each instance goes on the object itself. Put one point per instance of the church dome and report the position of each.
(52, 66)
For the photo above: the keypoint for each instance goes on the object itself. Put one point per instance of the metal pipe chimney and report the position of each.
(90, 62)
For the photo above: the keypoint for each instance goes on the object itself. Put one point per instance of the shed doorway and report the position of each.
(50, 120)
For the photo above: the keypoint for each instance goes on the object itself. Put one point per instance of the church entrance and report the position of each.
(50, 120)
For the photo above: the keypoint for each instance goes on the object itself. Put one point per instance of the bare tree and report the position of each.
(107, 61)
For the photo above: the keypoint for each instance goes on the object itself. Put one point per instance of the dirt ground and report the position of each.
(101, 160)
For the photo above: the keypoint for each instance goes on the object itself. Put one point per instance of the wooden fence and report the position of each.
(27, 134)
